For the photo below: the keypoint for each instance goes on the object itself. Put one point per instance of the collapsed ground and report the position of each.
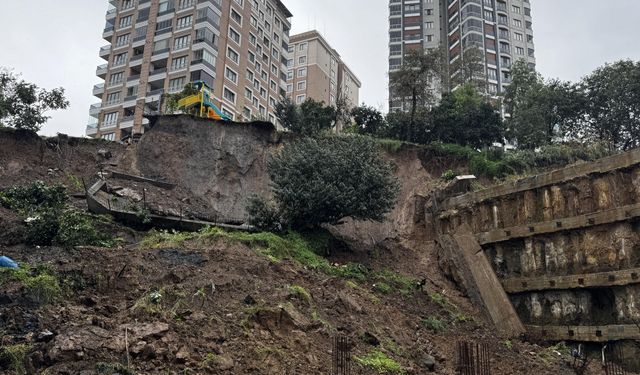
(219, 302)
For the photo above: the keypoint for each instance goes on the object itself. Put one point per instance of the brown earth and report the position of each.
(223, 308)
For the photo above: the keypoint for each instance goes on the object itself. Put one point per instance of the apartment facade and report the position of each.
(316, 71)
(237, 47)
(501, 29)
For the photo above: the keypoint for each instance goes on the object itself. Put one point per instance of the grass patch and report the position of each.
(379, 362)
(299, 292)
(113, 368)
(454, 312)
(42, 285)
(14, 357)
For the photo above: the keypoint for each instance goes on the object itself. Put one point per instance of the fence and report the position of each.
(341, 356)
(473, 359)
(613, 357)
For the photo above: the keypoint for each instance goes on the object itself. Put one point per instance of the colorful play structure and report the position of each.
(201, 103)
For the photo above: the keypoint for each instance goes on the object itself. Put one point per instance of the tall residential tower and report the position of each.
(501, 29)
(237, 47)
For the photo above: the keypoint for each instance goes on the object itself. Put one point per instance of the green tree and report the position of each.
(368, 120)
(310, 118)
(416, 128)
(613, 105)
(541, 112)
(416, 82)
(470, 69)
(326, 179)
(466, 118)
(23, 105)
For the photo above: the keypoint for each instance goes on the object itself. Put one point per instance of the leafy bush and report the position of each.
(324, 180)
(33, 198)
(379, 362)
(12, 357)
(434, 324)
(382, 287)
(41, 284)
(264, 216)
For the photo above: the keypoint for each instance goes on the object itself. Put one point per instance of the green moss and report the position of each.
(379, 362)
(382, 287)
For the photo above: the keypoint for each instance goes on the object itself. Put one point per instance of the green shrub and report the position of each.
(264, 215)
(434, 324)
(379, 362)
(43, 289)
(300, 292)
(449, 175)
(34, 198)
(42, 228)
(382, 287)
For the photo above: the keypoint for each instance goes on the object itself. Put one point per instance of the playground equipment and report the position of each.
(201, 103)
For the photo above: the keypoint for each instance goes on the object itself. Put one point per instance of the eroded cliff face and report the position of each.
(224, 164)
(221, 163)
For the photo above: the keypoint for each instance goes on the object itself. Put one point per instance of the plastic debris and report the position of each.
(6, 262)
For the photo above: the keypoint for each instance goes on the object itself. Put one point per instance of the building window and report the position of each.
(300, 99)
(248, 94)
(110, 119)
(186, 3)
(302, 72)
(517, 23)
(236, 17)
(122, 40)
(252, 57)
(232, 55)
(125, 21)
(163, 6)
(246, 113)
(229, 95)
(302, 46)
(231, 75)
(428, 25)
(515, 9)
(176, 84)
(179, 63)
(252, 39)
(234, 35)
(520, 50)
(127, 4)
(263, 92)
(290, 87)
(116, 78)
(184, 22)
(120, 59)
(181, 42)
(113, 98)
(249, 75)
(302, 85)
(273, 86)
(302, 60)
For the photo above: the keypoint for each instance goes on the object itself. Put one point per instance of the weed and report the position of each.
(75, 182)
(449, 175)
(391, 145)
(405, 285)
(382, 287)
(14, 357)
(455, 315)
(379, 362)
(298, 291)
(41, 284)
(553, 353)
(508, 344)
(162, 238)
(265, 352)
(434, 324)
(316, 317)
(393, 347)
(208, 360)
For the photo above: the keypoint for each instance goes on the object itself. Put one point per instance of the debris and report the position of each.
(106, 154)
(429, 362)
(248, 300)
(6, 262)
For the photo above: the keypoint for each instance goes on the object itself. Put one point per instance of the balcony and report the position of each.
(98, 90)
(101, 71)
(92, 129)
(111, 13)
(158, 74)
(94, 110)
(105, 52)
(133, 77)
(127, 122)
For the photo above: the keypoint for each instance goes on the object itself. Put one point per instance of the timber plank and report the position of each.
(600, 279)
(489, 288)
(586, 333)
(576, 222)
(603, 165)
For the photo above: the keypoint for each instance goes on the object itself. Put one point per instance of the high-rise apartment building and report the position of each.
(237, 47)
(316, 71)
(500, 29)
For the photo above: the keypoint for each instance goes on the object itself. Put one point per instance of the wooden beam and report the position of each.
(583, 221)
(493, 297)
(603, 165)
(586, 333)
(590, 280)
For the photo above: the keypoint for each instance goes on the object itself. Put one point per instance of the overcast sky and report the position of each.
(55, 43)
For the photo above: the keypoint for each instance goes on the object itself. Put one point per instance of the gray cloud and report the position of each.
(56, 43)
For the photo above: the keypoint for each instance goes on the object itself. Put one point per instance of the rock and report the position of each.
(75, 340)
(224, 363)
(45, 336)
(428, 362)
(285, 318)
(150, 352)
(350, 303)
(136, 332)
(129, 193)
(105, 154)
(138, 347)
(182, 355)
